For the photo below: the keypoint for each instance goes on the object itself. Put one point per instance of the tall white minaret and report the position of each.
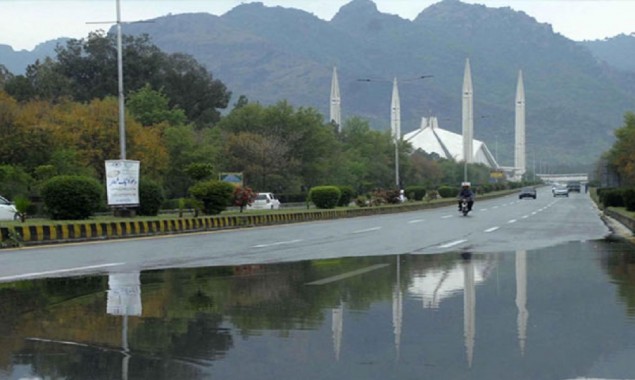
(336, 107)
(468, 114)
(395, 113)
(395, 126)
(519, 147)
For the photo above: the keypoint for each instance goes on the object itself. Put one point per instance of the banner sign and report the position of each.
(235, 178)
(122, 182)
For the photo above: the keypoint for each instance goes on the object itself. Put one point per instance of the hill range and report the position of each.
(576, 92)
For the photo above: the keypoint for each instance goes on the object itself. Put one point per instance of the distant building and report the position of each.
(432, 139)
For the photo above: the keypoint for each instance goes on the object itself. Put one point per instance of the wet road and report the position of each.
(519, 290)
(496, 225)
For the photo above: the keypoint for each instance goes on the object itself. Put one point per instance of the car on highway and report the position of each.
(7, 210)
(265, 201)
(527, 192)
(560, 191)
(574, 186)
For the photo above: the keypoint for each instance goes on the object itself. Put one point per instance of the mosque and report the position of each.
(458, 147)
(449, 145)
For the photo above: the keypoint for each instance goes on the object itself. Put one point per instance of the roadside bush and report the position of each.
(14, 181)
(214, 196)
(72, 197)
(347, 195)
(362, 201)
(150, 197)
(612, 198)
(390, 196)
(448, 192)
(292, 197)
(415, 192)
(628, 196)
(325, 196)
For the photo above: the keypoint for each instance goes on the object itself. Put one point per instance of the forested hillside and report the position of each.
(575, 100)
(273, 53)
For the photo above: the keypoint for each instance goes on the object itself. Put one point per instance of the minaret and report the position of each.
(395, 113)
(395, 126)
(336, 109)
(519, 149)
(468, 114)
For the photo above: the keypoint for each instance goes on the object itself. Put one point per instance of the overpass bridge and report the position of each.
(580, 177)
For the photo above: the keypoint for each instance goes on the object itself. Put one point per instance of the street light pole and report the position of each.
(122, 116)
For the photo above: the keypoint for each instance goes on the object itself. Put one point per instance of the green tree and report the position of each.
(264, 160)
(368, 156)
(214, 195)
(152, 107)
(299, 146)
(5, 75)
(622, 153)
(86, 69)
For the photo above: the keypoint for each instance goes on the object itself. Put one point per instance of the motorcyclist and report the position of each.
(468, 194)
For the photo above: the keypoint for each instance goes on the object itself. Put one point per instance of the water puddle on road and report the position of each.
(559, 313)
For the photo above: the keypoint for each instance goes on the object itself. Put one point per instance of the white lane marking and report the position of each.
(492, 229)
(452, 243)
(59, 271)
(534, 213)
(446, 216)
(416, 221)
(367, 230)
(525, 216)
(347, 274)
(483, 209)
(276, 243)
(512, 221)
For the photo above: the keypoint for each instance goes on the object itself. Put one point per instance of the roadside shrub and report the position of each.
(448, 192)
(612, 198)
(325, 196)
(150, 197)
(391, 196)
(362, 201)
(628, 196)
(292, 197)
(347, 195)
(415, 192)
(22, 204)
(72, 197)
(14, 181)
(214, 196)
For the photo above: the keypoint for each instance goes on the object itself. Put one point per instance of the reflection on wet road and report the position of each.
(559, 313)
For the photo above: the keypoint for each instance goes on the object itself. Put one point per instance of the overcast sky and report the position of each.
(25, 23)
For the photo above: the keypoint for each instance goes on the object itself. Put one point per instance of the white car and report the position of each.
(265, 201)
(560, 191)
(7, 210)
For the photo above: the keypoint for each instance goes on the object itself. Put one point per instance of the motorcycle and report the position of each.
(464, 207)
